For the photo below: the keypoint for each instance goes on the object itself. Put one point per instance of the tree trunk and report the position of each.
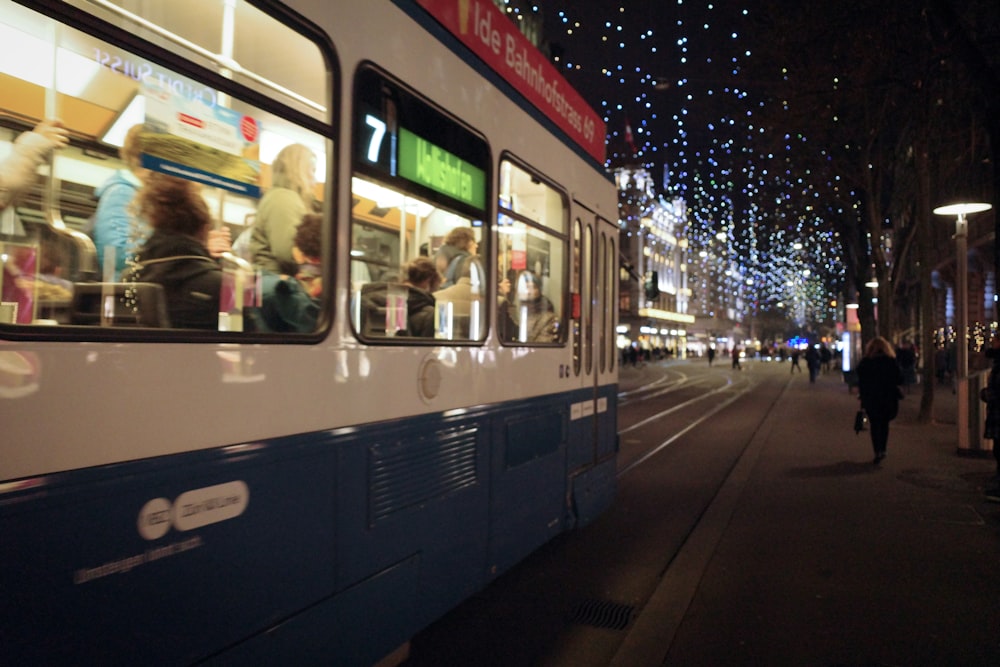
(925, 252)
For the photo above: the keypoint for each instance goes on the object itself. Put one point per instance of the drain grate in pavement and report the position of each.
(603, 614)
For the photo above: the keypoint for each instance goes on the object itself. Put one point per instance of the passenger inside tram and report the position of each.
(181, 252)
(290, 303)
(464, 298)
(421, 279)
(534, 315)
(20, 168)
(18, 172)
(280, 211)
(117, 232)
(404, 308)
(458, 244)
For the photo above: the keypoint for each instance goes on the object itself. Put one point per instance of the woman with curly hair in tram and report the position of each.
(180, 253)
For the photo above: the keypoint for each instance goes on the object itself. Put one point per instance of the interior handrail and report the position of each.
(219, 59)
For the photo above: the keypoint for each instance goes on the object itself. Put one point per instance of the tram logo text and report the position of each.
(193, 509)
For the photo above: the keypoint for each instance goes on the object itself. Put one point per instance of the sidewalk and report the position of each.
(813, 555)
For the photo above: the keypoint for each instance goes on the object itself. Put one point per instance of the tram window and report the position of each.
(576, 287)
(68, 262)
(419, 201)
(212, 33)
(588, 299)
(600, 321)
(532, 256)
(394, 298)
(610, 275)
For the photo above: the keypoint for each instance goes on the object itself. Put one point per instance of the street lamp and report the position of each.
(962, 315)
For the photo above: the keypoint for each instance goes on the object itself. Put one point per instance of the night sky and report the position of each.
(637, 65)
(674, 72)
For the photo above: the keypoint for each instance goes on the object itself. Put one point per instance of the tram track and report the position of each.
(673, 403)
(741, 389)
(671, 381)
(663, 384)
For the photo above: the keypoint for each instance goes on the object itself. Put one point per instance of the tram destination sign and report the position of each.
(433, 167)
(486, 31)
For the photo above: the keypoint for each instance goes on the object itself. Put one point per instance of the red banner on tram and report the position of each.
(484, 29)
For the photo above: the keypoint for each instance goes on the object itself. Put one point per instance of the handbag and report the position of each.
(859, 421)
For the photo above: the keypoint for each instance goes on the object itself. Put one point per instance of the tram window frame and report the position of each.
(576, 326)
(95, 29)
(393, 123)
(552, 240)
(611, 302)
(601, 285)
(589, 253)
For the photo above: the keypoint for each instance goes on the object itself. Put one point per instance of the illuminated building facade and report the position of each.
(653, 294)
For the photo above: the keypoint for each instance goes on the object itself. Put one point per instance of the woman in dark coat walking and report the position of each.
(879, 378)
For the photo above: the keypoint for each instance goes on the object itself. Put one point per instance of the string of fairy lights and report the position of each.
(669, 80)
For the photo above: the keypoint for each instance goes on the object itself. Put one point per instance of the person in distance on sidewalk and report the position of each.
(879, 378)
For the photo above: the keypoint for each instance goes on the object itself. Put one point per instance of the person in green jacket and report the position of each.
(281, 209)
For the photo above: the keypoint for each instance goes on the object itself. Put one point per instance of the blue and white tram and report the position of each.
(259, 494)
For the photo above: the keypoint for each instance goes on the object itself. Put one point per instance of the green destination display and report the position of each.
(432, 166)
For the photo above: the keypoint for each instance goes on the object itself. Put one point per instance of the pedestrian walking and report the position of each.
(825, 357)
(736, 359)
(991, 396)
(812, 362)
(879, 378)
(711, 355)
(795, 361)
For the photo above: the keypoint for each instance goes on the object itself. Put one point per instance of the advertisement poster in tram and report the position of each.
(192, 136)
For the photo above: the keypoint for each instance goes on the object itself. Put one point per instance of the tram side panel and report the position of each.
(528, 479)
(594, 445)
(164, 561)
(417, 490)
(294, 541)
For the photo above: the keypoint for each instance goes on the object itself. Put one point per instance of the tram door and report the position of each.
(593, 417)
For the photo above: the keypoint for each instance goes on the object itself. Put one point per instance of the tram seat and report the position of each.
(374, 309)
(132, 305)
(70, 250)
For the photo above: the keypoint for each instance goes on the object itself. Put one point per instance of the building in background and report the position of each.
(653, 295)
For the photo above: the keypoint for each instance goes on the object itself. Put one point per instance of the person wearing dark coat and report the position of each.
(812, 362)
(795, 360)
(419, 278)
(879, 378)
(419, 310)
(177, 255)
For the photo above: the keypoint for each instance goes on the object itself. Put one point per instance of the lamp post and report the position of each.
(962, 315)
